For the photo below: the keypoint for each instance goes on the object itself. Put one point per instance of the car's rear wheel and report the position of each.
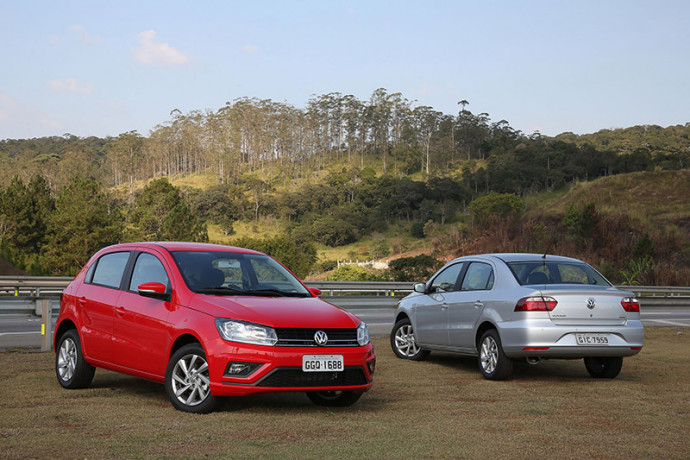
(604, 368)
(187, 383)
(493, 363)
(71, 369)
(333, 398)
(404, 343)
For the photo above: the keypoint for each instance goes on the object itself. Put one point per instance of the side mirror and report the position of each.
(153, 290)
(420, 287)
(313, 291)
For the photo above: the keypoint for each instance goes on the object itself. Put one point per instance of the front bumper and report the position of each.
(543, 339)
(280, 369)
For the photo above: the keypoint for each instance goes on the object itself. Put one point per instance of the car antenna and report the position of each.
(547, 250)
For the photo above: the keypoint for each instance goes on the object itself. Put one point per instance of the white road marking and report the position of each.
(672, 323)
(18, 333)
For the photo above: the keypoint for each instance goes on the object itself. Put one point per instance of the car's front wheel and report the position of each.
(334, 398)
(187, 383)
(493, 363)
(71, 369)
(604, 368)
(404, 343)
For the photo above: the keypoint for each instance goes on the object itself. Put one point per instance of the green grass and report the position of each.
(440, 408)
(655, 197)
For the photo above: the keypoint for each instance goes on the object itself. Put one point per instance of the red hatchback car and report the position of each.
(208, 321)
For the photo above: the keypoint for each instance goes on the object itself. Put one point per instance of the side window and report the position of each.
(266, 273)
(479, 276)
(148, 269)
(109, 269)
(445, 281)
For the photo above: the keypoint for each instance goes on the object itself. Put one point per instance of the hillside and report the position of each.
(658, 198)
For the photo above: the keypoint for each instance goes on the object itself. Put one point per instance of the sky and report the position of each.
(101, 68)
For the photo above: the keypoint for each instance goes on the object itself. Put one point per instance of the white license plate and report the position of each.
(322, 363)
(592, 339)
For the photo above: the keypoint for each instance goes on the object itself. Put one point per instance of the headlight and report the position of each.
(238, 331)
(362, 334)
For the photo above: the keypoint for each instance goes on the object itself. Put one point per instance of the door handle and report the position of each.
(478, 304)
(81, 300)
(444, 306)
(120, 311)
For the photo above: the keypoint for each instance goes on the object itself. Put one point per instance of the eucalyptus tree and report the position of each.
(126, 155)
(426, 123)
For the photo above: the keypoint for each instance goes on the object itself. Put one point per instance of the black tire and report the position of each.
(333, 398)
(493, 363)
(187, 383)
(604, 368)
(70, 368)
(404, 343)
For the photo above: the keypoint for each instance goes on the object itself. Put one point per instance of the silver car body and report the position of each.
(453, 319)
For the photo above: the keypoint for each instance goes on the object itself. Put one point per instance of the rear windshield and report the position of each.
(527, 273)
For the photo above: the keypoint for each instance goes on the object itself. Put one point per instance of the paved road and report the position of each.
(377, 312)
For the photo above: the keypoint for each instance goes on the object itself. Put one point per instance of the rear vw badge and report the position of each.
(591, 303)
(320, 338)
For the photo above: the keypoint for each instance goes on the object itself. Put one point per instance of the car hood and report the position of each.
(292, 312)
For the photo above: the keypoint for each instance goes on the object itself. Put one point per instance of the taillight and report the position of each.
(536, 304)
(630, 304)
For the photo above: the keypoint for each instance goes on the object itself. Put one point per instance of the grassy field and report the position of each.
(440, 408)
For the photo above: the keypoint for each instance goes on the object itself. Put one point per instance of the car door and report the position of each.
(476, 283)
(141, 332)
(96, 300)
(431, 309)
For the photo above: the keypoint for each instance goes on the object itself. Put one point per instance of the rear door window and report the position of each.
(109, 269)
(479, 277)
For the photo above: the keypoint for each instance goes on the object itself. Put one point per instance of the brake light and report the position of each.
(630, 304)
(536, 304)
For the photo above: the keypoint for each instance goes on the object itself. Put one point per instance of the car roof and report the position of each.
(182, 246)
(520, 257)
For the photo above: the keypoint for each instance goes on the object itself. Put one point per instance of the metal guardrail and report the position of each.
(18, 293)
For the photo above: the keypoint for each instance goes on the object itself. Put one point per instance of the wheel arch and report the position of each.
(184, 339)
(63, 327)
(481, 329)
(401, 315)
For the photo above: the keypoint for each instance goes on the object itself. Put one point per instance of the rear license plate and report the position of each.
(322, 363)
(592, 339)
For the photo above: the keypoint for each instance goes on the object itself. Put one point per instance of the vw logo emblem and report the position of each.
(591, 303)
(320, 338)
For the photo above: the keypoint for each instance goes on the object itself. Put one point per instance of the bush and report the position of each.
(418, 268)
(355, 273)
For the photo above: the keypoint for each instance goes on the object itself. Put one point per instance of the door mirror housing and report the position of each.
(154, 290)
(314, 291)
(420, 287)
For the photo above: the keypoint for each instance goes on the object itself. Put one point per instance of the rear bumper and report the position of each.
(542, 338)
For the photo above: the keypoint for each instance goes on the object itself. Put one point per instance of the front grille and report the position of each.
(295, 377)
(290, 337)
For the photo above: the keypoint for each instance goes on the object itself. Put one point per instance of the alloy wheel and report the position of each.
(405, 342)
(488, 355)
(190, 380)
(67, 359)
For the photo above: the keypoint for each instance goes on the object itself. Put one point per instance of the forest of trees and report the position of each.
(337, 170)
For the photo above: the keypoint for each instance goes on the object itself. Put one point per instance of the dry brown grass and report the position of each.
(440, 408)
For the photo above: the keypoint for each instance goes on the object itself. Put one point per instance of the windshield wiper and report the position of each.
(221, 290)
(227, 290)
(277, 292)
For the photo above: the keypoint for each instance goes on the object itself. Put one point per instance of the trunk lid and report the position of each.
(587, 305)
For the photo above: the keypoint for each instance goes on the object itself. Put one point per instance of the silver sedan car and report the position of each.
(502, 307)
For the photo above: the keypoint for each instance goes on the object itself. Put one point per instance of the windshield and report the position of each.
(544, 272)
(231, 273)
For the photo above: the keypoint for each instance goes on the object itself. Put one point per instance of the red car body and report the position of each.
(136, 333)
